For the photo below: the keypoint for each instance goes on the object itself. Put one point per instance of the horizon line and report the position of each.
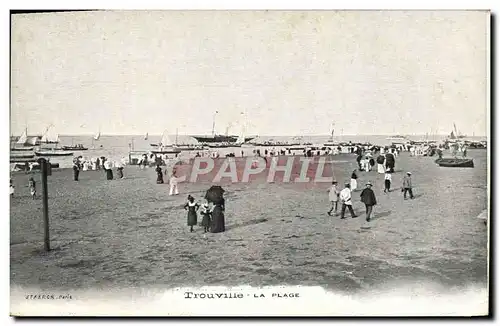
(275, 135)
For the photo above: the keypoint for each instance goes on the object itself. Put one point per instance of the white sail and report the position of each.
(146, 137)
(165, 140)
(241, 138)
(50, 136)
(97, 136)
(32, 141)
(23, 138)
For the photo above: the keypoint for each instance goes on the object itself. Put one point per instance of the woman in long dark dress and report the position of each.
(108, 168)
(191, 206)
(159, 174)
(390, 162)
(218, 221)
(76, 171)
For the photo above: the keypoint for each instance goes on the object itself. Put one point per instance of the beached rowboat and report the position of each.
(455, 162)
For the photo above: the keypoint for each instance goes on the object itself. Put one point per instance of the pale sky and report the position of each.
(292, 73)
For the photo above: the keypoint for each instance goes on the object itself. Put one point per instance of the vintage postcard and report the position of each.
(250, 163)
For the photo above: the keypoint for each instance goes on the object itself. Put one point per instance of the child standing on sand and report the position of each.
(387, 181)
(32, 186)
(11, 188)
(206, 220)
(334, 197)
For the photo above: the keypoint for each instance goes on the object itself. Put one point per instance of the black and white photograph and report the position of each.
(250, 163)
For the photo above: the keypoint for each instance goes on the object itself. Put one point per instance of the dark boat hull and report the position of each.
(219, 139)
(223, 146)
(54, 153)
(166, 152)
(275, 145)
(455, 163)
(72, 148)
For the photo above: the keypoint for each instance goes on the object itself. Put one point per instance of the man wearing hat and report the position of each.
(407, 186)
(333, 196)
(368, 198)
(345, 196)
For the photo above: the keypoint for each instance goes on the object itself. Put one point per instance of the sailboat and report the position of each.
(23, 140)
(96, 138)
(146, 137)
(455, 135)
(219, 139)
(166, 145)
(50, 136)
(330, 140)
(241, 141)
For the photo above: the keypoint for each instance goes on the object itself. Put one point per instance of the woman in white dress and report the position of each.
(367, 164)
(174, 190)
(380, 164)
(354, 180)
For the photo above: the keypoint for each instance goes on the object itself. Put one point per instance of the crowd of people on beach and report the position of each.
(368, 158)
(385, 165)
(97, 164)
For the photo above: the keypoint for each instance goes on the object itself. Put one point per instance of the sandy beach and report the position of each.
(129, 233)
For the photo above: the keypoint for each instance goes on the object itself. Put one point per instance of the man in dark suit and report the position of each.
(368, 198)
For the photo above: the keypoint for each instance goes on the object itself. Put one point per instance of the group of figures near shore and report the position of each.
(366, 162)
(367, 157)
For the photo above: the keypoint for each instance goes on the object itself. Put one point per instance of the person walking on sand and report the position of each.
(119, 169)
(108, 169)
(359, 158)
(380, 163)
(218, 223)
(12, 189)
(354, 181)
(32, 186)
(387, 181)
(76, 170)
(407, 186)
(333, 196)
(159, 174)
(368, 198)
(192, 218)
(206, 220)
(345, 197)
(174, 190)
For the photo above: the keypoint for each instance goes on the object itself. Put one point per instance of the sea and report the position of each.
(117, 147)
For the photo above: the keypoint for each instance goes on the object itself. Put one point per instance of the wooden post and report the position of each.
(45, 197)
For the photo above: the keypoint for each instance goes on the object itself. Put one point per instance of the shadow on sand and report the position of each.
(377, 215)
(251, 222)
